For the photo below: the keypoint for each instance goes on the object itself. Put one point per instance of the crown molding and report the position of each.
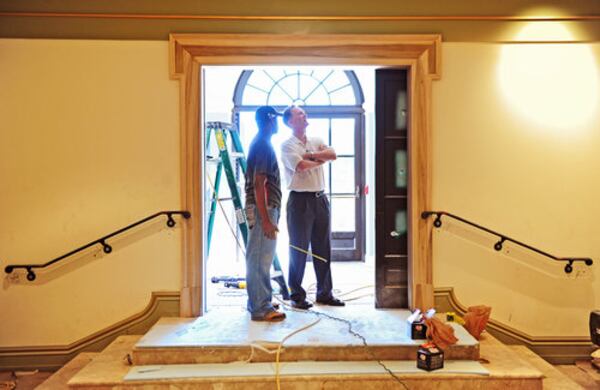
(311, 18)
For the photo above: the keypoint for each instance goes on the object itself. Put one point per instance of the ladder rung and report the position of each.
(219, 125)
(218, 159)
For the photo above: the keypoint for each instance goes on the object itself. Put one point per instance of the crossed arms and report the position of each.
(312, 160)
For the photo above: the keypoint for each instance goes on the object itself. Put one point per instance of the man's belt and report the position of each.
(316, 194)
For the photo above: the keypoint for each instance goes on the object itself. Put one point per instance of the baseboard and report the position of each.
(554, 349)
(51, 358)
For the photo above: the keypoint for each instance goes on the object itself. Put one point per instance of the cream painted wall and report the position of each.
(89, 142)
(534, 182)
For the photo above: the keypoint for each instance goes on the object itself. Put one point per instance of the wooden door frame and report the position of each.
(189, 52)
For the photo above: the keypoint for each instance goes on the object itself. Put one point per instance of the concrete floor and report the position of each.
(352, 282)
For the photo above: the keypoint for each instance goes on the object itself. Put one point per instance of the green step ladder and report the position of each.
(221, 131)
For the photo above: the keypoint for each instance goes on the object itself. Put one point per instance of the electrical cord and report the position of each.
(356, 289)
(354, 333)
(343, 320)
(233, 231)
(277, 376)
(358, 297)
(279, 349)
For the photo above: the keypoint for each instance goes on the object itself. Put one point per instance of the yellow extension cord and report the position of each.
(280, 346)
(232, 229)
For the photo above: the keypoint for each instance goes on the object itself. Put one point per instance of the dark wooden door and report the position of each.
(391, 189)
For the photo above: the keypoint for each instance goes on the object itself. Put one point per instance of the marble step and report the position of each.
(500, 368)
(59, 380)
(553, 378)
(228, 335)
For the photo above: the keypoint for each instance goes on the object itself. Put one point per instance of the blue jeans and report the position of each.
(260, 252)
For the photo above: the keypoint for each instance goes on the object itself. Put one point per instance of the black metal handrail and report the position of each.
(102, 241)
(498, 245)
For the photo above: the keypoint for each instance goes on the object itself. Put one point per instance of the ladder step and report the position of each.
(236, 155)
(226, 160)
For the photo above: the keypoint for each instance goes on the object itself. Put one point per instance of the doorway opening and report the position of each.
(340, 104)
(418, 55)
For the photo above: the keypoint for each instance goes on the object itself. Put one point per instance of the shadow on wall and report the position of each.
(80, 259)
(545, 278)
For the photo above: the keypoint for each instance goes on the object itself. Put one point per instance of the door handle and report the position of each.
(395, 234)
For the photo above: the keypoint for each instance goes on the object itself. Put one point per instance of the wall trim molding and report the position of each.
(52, 357)
(420, 54)
(306, 18)
(555, 349)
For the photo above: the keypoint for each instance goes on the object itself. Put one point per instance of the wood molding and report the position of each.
(52, 357)
(555, 349)
(124, 21)
(306, 18)
(419, 53)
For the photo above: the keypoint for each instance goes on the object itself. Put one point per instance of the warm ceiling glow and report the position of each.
(544, 32)
(552, 84)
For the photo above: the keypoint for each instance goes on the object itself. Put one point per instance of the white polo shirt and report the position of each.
(292, 150)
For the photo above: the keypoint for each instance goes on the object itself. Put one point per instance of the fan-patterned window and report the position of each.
(301, 87)
(332, 99)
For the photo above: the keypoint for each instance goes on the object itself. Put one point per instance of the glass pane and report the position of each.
(253, 96)
(274, 74)
(395, 232)
(322, 73)
(342, 135)
(260, 79)
(401, 164)
(279, 97)
(342, 176)
(247, 129)
(342, 215)
(400, 223)
(315, 96)
(327, 174)
(290, 85)
(401, 110)
(337, 79)
(318, 127)
(343, 96)
(308, 86)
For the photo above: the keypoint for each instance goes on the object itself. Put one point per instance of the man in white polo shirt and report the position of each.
(308, 213)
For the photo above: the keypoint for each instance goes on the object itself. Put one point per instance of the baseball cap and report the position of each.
(265, 114)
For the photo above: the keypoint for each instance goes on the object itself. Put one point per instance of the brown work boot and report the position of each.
(272, 316)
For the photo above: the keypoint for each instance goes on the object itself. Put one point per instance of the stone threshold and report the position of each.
(227, 335)
(505, 367)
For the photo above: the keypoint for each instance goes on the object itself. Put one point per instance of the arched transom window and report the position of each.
(301, 87)
(332, 99)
